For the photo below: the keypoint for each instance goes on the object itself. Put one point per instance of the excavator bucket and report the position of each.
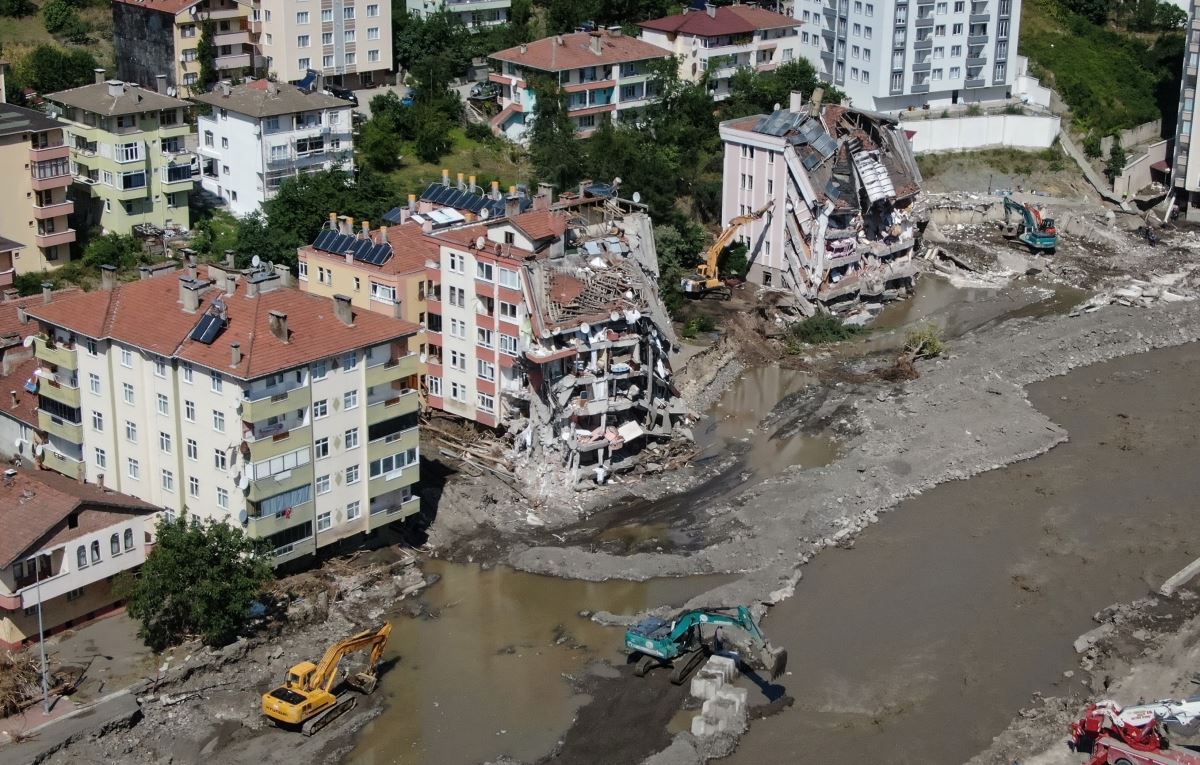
(774, 660)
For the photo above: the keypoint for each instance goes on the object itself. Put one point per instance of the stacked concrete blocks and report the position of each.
(724, 707)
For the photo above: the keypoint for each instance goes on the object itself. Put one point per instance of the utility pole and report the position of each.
(41, 637)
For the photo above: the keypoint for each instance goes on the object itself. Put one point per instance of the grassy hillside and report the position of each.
(1111, 78)
(18, 36)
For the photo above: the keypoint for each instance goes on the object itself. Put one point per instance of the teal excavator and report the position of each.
(685, 640)
(1029, 227)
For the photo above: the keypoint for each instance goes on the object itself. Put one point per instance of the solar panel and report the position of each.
(393, 215)
(207, 329)
(826, 145)
(322, 241)
(811, 161)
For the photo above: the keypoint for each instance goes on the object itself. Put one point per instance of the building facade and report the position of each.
(259, 134)
(161, 37)
(235, 397)
(349, 42)
(717, 41)
(889, 55)
(473, 14)
(1185, 173)
(36, 167)
(601, 73)
(63, 543)
(129, 155)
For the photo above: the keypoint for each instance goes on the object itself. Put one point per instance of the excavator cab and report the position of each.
(299, 675)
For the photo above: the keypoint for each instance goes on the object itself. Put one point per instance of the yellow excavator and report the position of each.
(706, 279)
(307, 700)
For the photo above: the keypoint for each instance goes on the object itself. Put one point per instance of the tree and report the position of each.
(48, 69)
(270, 244)
(1095, 11)
(379, 145)
(17, 8)
(1116, 159)
(554, 150)
(200, 579)
(206, 52)
(120, 250)
(1091, 145)
(433, 134)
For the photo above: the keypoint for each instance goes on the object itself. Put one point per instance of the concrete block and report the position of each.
(702, 726)
(725, 713)
(705, 684)
(740, 697)
(726, 665)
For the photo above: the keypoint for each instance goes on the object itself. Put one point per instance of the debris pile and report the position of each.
(1137, 292)
(20, 682)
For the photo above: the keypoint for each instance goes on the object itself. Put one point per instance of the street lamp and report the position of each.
(37, 573)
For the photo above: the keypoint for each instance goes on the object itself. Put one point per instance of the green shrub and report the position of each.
(822, 329)
(924, 342)
(479, 131)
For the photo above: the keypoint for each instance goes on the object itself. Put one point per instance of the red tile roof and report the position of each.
(10, 321)
(146, 313)
(728, 20)
(27, 403)
(35, 505)
(411, 247)
(542, 224)
(548, 55)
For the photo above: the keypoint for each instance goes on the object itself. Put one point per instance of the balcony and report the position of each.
(280, 482)
(919, 87)
(56, 238)
(266, 525)
(923, 22)
(59, 355)
(975, 82)
(233, 61)
(980, 18)
(276, 404)
(131, 193)
(976, 61)
(397, 479)
(216, 14)
(232, 37)
(403, 402)
(57, 391)
(397, 442)
(392, 370)
(283, 440)
(977, 39)
(72, 468)
(926, 44)
(390, 511)
(68, 431)
(46, 212)
(921, 66)
(56, 181)
(175, 181)
(62, 151)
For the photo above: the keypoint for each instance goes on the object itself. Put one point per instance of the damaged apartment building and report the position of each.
(540, 319)
(839, 185)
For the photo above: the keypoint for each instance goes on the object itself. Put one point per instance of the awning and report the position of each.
(1161, 167)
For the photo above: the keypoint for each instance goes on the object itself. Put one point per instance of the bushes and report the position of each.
(924, 342)
(698, 325)
(822, 329)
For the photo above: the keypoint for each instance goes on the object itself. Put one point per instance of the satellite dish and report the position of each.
(29, 341)
(637, 197)
(480, 243)
(38, 449)
(585, 328)
(484, 214)
(243, 516)
(614, 315)
(19, 444)
(171, 91)
(256, 261)
(245, 482)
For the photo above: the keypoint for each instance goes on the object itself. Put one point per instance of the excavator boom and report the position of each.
(706, 278)
(681, 637)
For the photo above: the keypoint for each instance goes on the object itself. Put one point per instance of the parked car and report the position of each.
(343, 93)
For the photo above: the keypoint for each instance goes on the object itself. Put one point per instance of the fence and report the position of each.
(1016, 131)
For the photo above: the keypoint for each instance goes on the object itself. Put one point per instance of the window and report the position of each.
(352, 474)
(302, 41)
(193, 486)
(323, 484)
(327, 62)
(352, 438)
(486, 370)
(956, 51)
(484, 337)
(75, 594)
(348, 36)
(936, 74)
(942, 8)
(164, 442)
(357, 284)
(394, 463)
(128, 539)
(866, 77)
(281, 464)
(222, 498)
(95, 552)
(384, 293)
(486, 403)
(163, 403)
(302, 17)
(187, 372)
(324, 521)
(955, 72)
(81, 557)
(458, 329)
(458, 297)
(867, 32)
(959, 6)
(458, 263)
(321, 448)
(350, 399)
(98, 422)
(508, 345)
(131, 431)
(435, 385)
(220, 459)
(957, 29)
(192, 449)
(353, 510)
(320, 409)
(134, 469)
(304, 63)
(458, 361)
(508, 311)
(458, 392)
(101, 458)
(218, 421)
(327, 15)
(127, 392)
(168, 481)
(126, 357)
(854, 73)
(484, 271)
(372, 10)
(939, 30)
(348, 362)
(857, 29)
(509, 278)
(855, 51)
(216, 384)
(348, 12)
(189, 411)
(373, 33)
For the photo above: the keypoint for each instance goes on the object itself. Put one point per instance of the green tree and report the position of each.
(555, 153)
(17, 8)
(206, 53)
(47, 69)
(379, 144)
(56, 14)
(269, 243)
(433, 134)
(200, 579)
(112, 249)
(1095, 11)
(1116, 159)
(1091, 145)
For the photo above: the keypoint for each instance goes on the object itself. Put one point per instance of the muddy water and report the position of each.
(486, 677)
(919, 645)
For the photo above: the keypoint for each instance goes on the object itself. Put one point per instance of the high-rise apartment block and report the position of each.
(36, 167)
(1185, 175)
(473, 14)
(349, 42)
(889, 55)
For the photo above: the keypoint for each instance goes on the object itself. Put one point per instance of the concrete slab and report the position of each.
(118, 709)
(705, 683)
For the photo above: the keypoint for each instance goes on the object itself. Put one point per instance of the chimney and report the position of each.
(278, 323)
(614, 31)
(21, 315)
(116, 88)
(595, 41)
(445, 177)
(190, 270)
(100, 481)
(559, 39)
(545, 197)
(366, 229)
(284, 273)
(814, 109)
(461, 186)
(795, 101)
(108, 277)
(333, 221)
(230, 284)
(512, 204)
(189, 294)
(524, 49)
(412, 203)
(11, 294)
(471, 183)
(145, 272)
(15, 401)
(711, 10)
(342, 310)
(230, 259)
(100, 75)
(495, 189)
(383, 235)
(235, 354)
(47, 292)
(251, 288)
(160, 82)
(349, 225)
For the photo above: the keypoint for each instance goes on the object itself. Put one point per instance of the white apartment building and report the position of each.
(259, 134)
(1185, 174)
(721, 40)
(349, 42)
(889, 55)
(473, 14)
(234, 397)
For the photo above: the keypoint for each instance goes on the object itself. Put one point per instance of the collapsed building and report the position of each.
(838, 185)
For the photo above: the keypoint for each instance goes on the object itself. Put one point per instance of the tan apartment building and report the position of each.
(161, 37)
(36, 167)
(349, 42)
(236, 397)
(61, 544)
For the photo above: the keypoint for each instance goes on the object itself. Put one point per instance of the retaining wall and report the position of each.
(1018, 131)
(1144, 133)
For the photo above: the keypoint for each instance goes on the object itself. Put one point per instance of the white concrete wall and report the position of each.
(243, 158)
(1017, 131)
(72, 577)
(769, 171)
(1147, 131)
(1136, 175)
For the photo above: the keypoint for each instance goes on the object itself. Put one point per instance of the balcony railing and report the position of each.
(46, 212)
(55, 238)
